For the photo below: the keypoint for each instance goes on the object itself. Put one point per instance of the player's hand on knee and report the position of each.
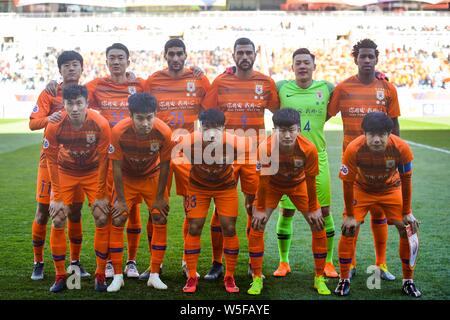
(259, 220)
(409, 219)
(162, 206)
(315, 219)
(348, 226)
(102, 205)
(120, 208)
(55, 208)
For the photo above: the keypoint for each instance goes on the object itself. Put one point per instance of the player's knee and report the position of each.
(195, 229)
(42, 215)
(229, 230)
(59, 221)
(75, 212)
(119, 221)
(158, 219)
(101, 220)
(287, 212)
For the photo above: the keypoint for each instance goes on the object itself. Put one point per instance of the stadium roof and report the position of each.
(126, 3)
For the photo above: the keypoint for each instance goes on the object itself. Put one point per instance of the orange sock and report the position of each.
(38, 234)
(319, 248)
(116, 243)
(231, 252)
(216, 238)
(191, 252)
(355, 240)
(101, 244)
(58, 248)
(149, 233)
(75, 231)
(405, 255)
(185, 232)
(378, 224)
(345, 253)
(256, 251)
(134, 227)
(159, 245)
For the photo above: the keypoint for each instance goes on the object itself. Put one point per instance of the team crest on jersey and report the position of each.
(154, 146)
(319, 95)
(90, 138)
(380, 94)
(390, 164)
(111, 149)
(45, 143)
(190, 86)
(35, 109)
(344, 170)
(132, 89)
(258, 166)
(298, 163)
(259, 89)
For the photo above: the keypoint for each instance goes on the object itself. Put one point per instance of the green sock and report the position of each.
(284, 232)
(329, 229)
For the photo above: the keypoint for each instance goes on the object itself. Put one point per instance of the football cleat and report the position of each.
(131, 270)
(230, 285)
(321, 286)
(256, 286)
(83, 273)
(59, 285)
(38, 271)
(283, 270)
(145, 275)
(409, 288)
(343, 287)
(330, 271)
(109, 270)
(116, 284)
(191, 285)
(100, 283)
(385, 274)
(215, 272)
(155, 282)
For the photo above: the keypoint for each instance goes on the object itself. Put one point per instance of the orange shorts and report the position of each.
(43, 188)
(298, 196)
(69, 186)
(198, 202)
(391, 204)
(181, 172)
(249, 177)
(144, 188)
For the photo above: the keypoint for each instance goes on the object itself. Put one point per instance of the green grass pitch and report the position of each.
(19, 153)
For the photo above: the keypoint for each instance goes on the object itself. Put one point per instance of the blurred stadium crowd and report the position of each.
(412, 55)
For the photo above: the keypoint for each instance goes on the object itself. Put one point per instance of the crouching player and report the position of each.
(288, 166)
(211, 153)
(140, 152)
(377, 170)
(76, 149)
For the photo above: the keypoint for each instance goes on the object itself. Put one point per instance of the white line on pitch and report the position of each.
(428, 147)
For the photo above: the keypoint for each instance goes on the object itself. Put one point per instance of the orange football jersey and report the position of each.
(355, 99)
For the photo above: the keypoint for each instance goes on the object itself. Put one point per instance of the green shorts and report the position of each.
(322, 185)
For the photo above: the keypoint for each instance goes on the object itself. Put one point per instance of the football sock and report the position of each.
(345, 252)
(319, 249)
(216, 238)
(380, 235)
(329, 229)
(58, 248)
(75, 232)
(38, 234)
(101, 239)
(159, 245)
(116, 243)
(231, 252)
(192, 251)
(405, 255)
(256, 251)
(134, 228)
(284, 233)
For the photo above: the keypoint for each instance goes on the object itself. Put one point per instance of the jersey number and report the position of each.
(176, 118)
(307, 127)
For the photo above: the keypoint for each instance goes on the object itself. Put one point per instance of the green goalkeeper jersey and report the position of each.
(311, 103)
